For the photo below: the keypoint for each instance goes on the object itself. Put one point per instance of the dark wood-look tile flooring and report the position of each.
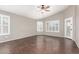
(39, 45)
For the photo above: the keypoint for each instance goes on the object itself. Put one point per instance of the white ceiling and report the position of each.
(31, 11)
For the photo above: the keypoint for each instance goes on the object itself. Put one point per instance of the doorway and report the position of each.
(69, 27)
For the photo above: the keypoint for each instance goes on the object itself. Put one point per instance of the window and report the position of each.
(39, 26)
(52, 26)
(4, 25)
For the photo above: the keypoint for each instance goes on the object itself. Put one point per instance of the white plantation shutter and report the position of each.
(4, 25)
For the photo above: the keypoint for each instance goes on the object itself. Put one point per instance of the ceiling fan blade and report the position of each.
(48, 7)
(47, 10)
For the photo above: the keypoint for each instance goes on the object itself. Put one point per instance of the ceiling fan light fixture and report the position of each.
(44, 8)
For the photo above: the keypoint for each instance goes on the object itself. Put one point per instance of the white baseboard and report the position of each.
(16, 38)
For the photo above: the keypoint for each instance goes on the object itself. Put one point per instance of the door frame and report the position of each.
(71, 18)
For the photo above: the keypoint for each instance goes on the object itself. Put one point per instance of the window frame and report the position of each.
(46, 26)
(42, 27)
(1, 15)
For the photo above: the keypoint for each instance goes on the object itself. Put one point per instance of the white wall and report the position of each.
(20, 27)
(77, 25)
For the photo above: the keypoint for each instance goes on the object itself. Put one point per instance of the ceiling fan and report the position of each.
(44, 8)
